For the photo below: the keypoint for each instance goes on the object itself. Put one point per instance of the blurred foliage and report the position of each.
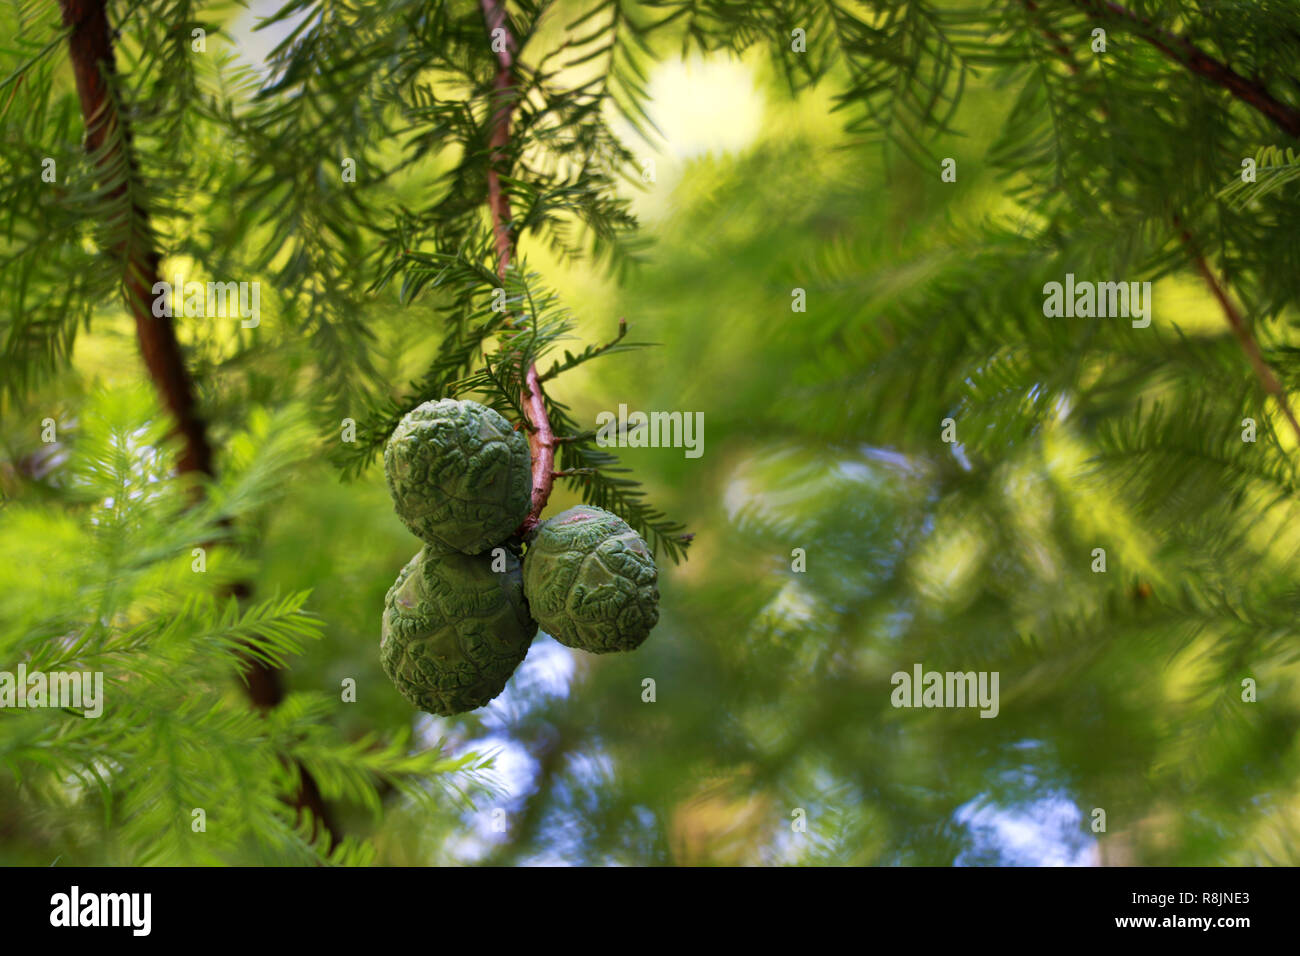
(1119, 691)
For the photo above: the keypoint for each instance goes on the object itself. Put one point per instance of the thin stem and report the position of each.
(556, 369)
(1238, 323)
(541, 439)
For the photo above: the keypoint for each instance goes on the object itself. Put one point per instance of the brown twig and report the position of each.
(90, 48)
(541, 440)
(1182, 50)
(1238, 323)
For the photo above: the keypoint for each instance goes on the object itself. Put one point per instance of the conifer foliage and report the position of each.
(364, 200)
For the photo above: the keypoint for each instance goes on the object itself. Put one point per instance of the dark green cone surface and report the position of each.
(454, 630)
(460, 475)
(591, 581)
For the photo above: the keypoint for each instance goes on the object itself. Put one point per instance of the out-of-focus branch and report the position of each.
(90, 46)
(1238, 324)
(1183, 51)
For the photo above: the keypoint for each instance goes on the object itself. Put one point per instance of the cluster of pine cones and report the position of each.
(460, 616)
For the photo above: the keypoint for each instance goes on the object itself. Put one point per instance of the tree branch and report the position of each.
(1184, 51)
(1238, 323)
(90, 47)
(91, 50)
(541, 439)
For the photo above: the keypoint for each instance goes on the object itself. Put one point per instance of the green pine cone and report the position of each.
(460, 475)
(454, 630)
(590, 581)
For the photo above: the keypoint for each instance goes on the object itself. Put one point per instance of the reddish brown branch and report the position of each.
(1184, 51)
(90, 48)
(1238, 323)
(503, 90)
(541, 440)
(91, 51)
